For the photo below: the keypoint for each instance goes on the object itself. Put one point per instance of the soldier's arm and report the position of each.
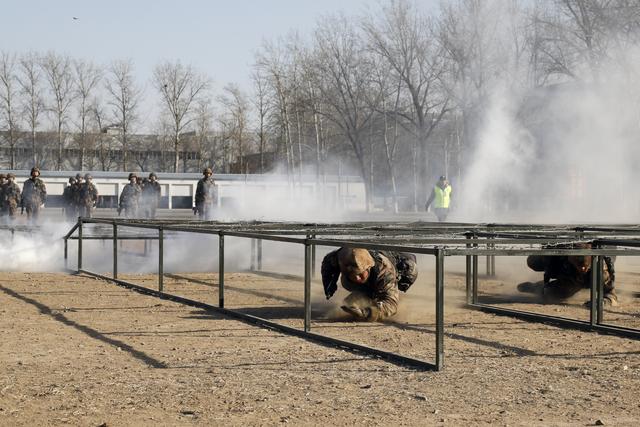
(330, 271)
(385, 295)
(430, 199)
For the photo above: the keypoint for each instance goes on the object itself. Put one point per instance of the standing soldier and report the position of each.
(151, 196)
(206, 195)
(3, 208)
(75, 195)
(11, 196)
(68, 197)
(129, 197)
(34, 195)
(88, 196)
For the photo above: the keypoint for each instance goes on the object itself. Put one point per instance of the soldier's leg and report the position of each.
(561, 289)
(537, 262)
(610, 296)
(408, 269)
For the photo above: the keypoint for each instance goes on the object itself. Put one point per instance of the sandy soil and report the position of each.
(81, 351)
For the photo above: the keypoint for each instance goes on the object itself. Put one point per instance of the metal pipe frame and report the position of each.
(503, 240)
(305, 333)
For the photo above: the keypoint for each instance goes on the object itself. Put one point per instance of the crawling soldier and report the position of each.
(373, 278)
(564, 276)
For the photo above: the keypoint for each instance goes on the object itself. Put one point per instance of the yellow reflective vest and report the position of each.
(443, 196)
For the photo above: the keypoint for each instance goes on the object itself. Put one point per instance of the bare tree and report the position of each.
(274, 63)
(203, 123)
(104, 146)
(124, 97)
(235, 116)
(57, 69)
(180, 87)
(343, 77)
(8, 101)
(262, 108)
(30, 79)
(87, 77)
(403, 37)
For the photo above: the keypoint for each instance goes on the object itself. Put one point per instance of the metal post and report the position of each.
(79, 244)
(493, 261)
(115, 250)
(252, 266)
(221, 270)
(594, 291)
(313, 258)
(160, 259)
(66, 253)
(439, 309)
(259, 254)
(600, 289)
(307, 287)
(474, 283)
(469, 273)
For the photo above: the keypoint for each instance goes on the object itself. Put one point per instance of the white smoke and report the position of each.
(567, 153)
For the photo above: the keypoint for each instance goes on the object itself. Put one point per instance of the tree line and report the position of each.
(397, 95)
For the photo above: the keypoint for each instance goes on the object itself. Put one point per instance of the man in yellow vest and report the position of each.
(441, 193)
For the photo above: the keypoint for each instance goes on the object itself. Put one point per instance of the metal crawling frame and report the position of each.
(438, 240)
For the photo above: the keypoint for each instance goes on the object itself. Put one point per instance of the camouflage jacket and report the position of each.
(88, 193)
(206, 191)
(34, 192)
(129, 196)
(11, 193)
(151, 192)
(381, 287)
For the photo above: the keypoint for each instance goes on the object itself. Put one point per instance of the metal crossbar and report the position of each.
(433, 239)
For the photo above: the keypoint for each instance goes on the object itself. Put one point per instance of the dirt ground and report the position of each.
(81, 351)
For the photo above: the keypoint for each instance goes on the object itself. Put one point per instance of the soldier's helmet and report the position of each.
(88, 176)
(72, 180)
(78, 177)
(354, 260)
(153, 175)
(132, 175)
(207, 171)
(10, 176)
(35, 170)
(1, 176)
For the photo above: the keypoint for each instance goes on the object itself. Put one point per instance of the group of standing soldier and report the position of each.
(140, 197)
(31, 198)
(80, 197)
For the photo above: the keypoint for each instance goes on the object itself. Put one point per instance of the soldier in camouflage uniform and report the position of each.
(3, 208)
(374, 279)
(11, 196)
(564, 276)
(68, 196)
(34, 195)
(150, 196)
(129, 197)
(88, 196)
(206, 195)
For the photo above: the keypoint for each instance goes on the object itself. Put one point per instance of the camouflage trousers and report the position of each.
(205, 211)
(33, 211)
(86, 209)
(12, 209)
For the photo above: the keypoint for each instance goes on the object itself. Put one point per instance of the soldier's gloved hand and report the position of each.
(373, 313)
(331, 289)
(356, 312)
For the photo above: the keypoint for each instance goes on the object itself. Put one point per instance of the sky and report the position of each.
(217, 37)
